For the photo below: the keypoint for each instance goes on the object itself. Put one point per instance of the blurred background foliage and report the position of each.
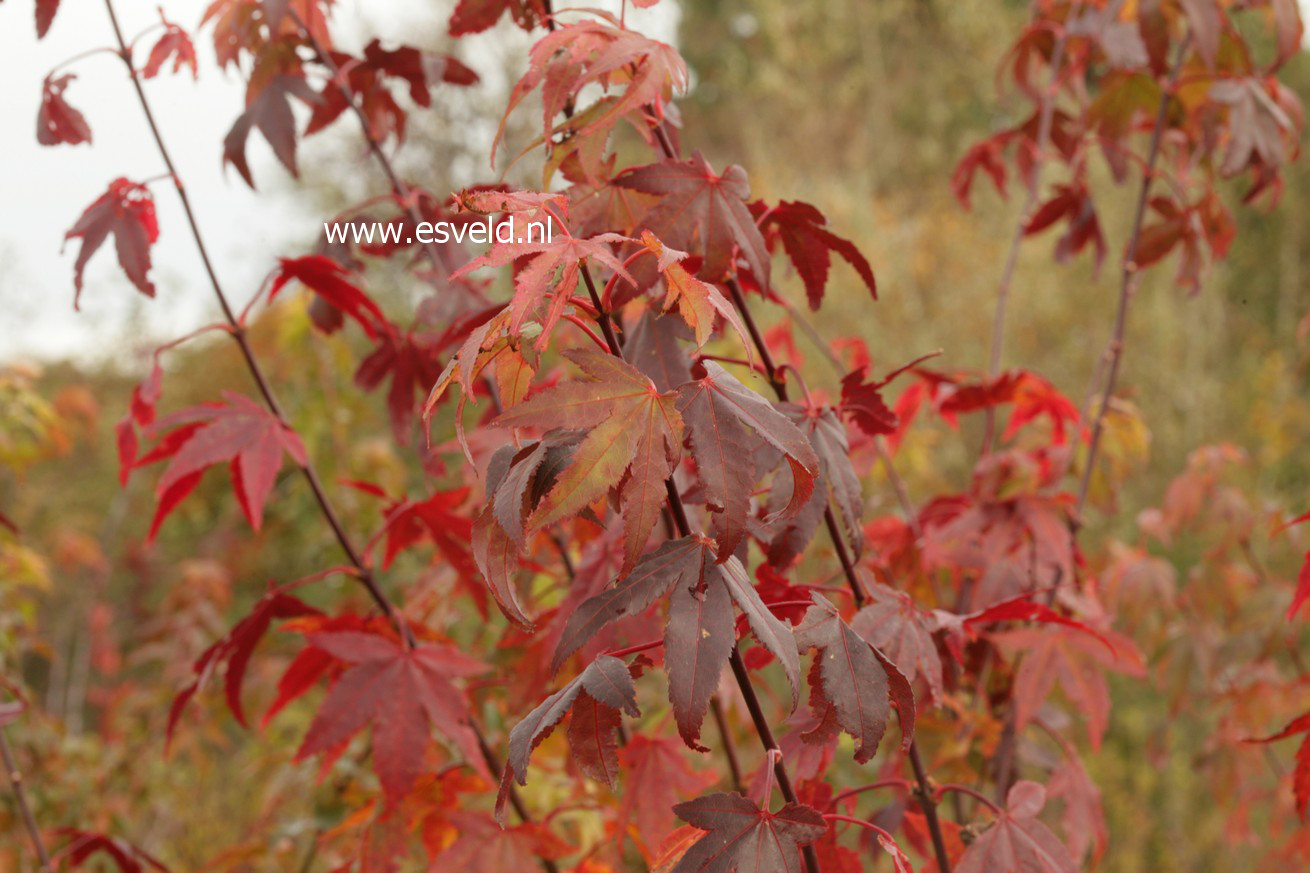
(862, 108)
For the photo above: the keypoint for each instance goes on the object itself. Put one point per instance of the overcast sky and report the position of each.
(44, 189)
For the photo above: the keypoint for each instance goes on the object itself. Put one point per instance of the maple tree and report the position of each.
(648, 541)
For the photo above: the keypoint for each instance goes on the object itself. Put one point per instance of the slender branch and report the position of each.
(20, 797)
(862, 823)
(739, 672)
(729, 747)
(1047, 113)
(926, 796)
(972, 792)
(874, 786)
(1128, 282)
(238, 333)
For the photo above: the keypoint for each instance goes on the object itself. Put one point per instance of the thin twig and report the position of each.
(1040, 147)
(1128, 282)
(20, 797)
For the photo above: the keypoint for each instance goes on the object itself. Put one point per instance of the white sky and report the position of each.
(44, 189)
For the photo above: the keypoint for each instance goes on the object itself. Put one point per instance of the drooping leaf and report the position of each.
(856, 682)
(333, 284)
(809, 245)
(892, 624)
(175, 43)
(699, 303)
(678, 561)
(719, 410)
(126, 210)
(410, 361)
(1017, 841)
(742, 837)
(827, 434)
(58, 122)
(634, 429)
(233, 651)
(702, 213)
(239, 431)
(698, 641)
(403, 693)
(1075, 660)
(268, 110)
(606, 681)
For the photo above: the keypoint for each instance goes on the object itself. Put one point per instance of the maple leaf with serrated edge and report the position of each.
(743, 837)
(83, 845)
(702, 213)
(1017, 841)
(802, 231)
(597, 52)
(700, 633)
(864, 404)
(126, 210)
(697, 302)
(175, 44)
(367, 80)
(1074, 659)
(556, 263)
(233, 651)
(410, 361)
(656, 776)
(268, 109)
(334, 284)
(606, 681)
(635, 439)
(239, 431)
(403, 693)
(56, 121)
(892, 624)
(720, 413)
(856, 680)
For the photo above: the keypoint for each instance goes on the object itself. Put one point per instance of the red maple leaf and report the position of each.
(233, 651)
(268, 109)
(126, 210)
(333, 284)
(403, 693)
(239, 431)
(741, 836)
(702, 213)
(802, 231)
(1017, 840)
(56, 121)
(175, 44)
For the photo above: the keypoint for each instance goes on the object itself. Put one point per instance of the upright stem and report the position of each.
(1128, 282)
(20, 797)
(1047, 113)
(739, 672)
(927, 798)
(238, 332)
